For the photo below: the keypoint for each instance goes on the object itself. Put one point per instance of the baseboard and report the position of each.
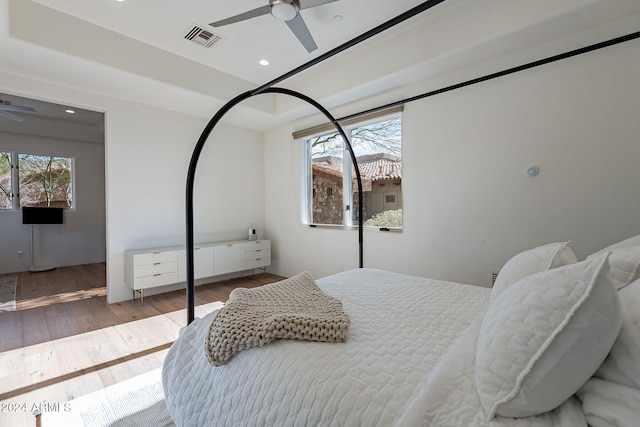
(42, 268)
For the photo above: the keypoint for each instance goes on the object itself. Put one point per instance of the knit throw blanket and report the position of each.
(295, 308)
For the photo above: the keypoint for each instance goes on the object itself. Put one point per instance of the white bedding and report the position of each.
(402, 365)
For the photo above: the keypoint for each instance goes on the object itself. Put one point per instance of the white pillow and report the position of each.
(544, 337)
(609, 404)
(530, 262)
(612, 396)
(627, 262)
(627, 243)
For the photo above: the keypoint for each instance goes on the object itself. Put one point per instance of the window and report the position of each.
(377, 144)
(40, 180)
(5, 180)
(45, 180)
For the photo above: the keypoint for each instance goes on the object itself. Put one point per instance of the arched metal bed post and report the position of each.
(194, 163)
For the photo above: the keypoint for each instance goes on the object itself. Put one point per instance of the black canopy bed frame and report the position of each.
(268, 88)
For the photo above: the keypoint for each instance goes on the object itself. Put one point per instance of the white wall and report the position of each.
(469, 204)
(81, 239)
(148, 152)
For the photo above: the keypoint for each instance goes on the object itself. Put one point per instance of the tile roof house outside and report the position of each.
(381, 175)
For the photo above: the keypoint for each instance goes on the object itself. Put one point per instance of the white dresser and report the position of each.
(154, 267)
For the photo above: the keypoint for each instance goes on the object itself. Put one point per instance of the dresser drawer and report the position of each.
(257, 245)
(155, 269)
(158, 279)
(260, 253)
(257, 263)
(155, 257)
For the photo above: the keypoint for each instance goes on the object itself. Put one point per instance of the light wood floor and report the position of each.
(64, 340)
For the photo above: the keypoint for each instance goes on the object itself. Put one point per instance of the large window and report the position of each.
(377, 145)
(39, 180)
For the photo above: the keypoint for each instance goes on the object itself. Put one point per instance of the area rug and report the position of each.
(8, 293)
(136, 402)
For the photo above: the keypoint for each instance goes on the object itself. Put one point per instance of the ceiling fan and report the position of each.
(6, 107)
(283, 10)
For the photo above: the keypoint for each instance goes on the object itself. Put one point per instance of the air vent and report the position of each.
(199, 35)
(493, 275)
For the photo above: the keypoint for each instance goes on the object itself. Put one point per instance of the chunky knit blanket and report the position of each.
(295, 308)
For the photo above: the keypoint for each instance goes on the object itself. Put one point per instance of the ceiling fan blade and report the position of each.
(8, 115)
(306, 4)
(301, 31)
(264, 10)
(5, 107)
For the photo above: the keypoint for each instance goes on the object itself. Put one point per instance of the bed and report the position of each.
(555, 342)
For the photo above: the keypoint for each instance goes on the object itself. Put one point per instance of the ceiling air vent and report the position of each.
(199, 35)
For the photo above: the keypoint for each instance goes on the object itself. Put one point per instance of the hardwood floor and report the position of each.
(64, 340)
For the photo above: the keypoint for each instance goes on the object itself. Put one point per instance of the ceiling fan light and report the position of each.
(284, 10)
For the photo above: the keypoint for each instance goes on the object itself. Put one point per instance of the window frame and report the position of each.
(348, 221)
(15, 190)
(13, 161)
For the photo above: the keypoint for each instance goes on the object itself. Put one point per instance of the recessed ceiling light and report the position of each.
(70, 111)
(264, 62)
(337, 18)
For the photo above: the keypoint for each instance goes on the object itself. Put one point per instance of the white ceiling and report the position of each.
(164, 23)
(135, 50)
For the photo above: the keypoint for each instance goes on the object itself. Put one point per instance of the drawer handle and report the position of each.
(157, 253)
(157, 263)
(156, 275)
(230, 244)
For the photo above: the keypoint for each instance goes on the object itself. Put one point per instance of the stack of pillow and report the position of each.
(556, 327)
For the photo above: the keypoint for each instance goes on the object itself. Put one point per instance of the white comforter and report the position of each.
(402, 365)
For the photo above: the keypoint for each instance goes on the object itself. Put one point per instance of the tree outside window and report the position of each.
(38, 181)
(378, 149)
(45, 180)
